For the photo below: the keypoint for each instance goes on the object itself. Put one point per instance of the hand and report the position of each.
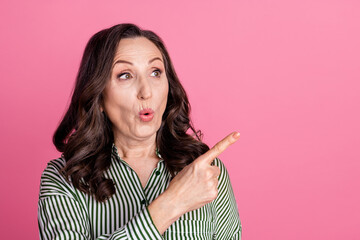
(196, 184)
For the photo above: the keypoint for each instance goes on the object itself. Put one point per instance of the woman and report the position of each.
(129, 169)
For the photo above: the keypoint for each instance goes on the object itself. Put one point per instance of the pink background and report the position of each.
(285, 74)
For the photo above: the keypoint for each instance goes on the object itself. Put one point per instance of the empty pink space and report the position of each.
(285, 74)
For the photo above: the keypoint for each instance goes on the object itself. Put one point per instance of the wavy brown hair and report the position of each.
(85, 136)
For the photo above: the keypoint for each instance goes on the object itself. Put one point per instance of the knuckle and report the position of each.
(217, 148)
(210, 185)
(216, 182)
(209, 174)
(218, 171)
(214, 194)
(195, 166)
(211, 196)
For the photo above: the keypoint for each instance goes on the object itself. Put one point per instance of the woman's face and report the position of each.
(136, 94)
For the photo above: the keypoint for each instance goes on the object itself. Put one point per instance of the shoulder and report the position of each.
(52, 181)
(224, 178)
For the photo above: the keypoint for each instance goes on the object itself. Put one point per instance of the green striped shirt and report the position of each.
(67, 213)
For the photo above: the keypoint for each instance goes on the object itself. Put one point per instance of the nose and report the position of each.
(144, 90)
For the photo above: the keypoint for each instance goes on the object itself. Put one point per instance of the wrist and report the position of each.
(171, 205)
(164, 212)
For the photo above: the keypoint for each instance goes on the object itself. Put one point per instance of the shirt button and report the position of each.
(157, 173)
(143, 201)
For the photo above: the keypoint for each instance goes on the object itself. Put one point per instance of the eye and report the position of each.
(126, 74)
(158, 73)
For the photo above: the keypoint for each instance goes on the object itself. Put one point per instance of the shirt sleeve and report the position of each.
(228, 224)
(61, 216)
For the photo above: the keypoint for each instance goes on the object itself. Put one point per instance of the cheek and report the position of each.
(164, 96)
(115, 104)
(165, 90)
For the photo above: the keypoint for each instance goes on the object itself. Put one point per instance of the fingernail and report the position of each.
(236, 135)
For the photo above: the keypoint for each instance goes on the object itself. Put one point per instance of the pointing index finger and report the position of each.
(219, 147)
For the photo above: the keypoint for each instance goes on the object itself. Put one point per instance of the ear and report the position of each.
(101, 109)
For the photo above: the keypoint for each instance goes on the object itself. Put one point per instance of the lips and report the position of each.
(146, 111)
(146, 115)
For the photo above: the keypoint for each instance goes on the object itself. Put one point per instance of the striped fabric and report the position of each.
(67, 213)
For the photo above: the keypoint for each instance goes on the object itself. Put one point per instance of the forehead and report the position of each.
(139, 47)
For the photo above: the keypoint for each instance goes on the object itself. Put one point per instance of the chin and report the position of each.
(146, 132)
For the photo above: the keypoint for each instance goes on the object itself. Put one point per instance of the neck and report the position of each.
(133, 149)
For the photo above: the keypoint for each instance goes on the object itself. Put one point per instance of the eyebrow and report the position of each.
(123, 61)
